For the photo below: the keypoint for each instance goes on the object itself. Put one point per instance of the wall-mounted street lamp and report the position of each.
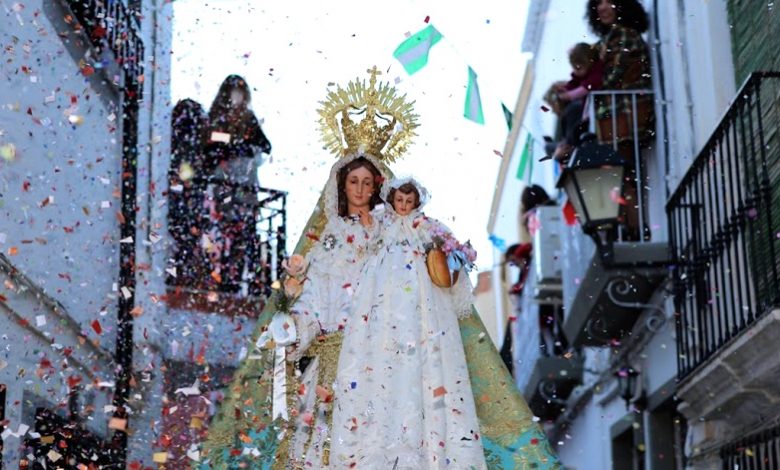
(593, 181)
(628, 387)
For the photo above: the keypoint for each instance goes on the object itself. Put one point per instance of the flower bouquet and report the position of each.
(281, 329)
(445, 257)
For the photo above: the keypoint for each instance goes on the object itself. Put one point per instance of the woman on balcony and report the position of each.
(185, 195)
(620, 118)
(234, 148)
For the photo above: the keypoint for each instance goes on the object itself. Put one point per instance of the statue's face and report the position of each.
(404, 203)
(359, 187)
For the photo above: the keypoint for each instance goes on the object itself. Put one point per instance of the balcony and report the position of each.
(602, 295)
(724, 221)
(547, 369)
(759, 451)
(229, 254)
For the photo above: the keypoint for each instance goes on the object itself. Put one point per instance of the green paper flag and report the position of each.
(507, 116)
(526, 156)
(473, 108)
(413, 53)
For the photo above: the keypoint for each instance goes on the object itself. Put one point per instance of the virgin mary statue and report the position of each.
(278, 411)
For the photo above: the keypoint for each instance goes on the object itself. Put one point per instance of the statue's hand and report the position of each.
(307, 331)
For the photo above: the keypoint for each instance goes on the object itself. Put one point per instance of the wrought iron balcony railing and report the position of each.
(759, 451)
(627, 125)
(251, 218)
(724, 221)
(111, 26)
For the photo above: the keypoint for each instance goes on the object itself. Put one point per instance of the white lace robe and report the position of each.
(403, 396)
(335, 262)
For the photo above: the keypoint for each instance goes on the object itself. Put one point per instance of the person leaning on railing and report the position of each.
(185, 191)
(620, 24)
(587, 75)
(234, 148)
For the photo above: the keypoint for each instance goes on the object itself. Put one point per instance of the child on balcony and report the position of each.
(587, 74)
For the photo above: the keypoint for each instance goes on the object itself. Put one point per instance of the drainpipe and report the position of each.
(659, 66)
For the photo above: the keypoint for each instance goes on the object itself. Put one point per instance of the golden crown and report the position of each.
(388, 120)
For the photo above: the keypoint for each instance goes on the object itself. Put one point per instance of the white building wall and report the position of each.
(60, 195)
(67, 132)
(151, 329)
(698, 68)
(59, 231)
(658, 359)
(586, 444)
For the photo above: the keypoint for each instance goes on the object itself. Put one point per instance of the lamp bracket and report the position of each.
(546, 388)
(604, 245)
(622, 286)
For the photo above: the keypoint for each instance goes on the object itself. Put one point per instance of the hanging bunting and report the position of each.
(413, 53)
(507, 116)
(473, 108)
(526, 156)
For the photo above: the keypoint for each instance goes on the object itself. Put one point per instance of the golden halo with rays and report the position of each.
(387, 126)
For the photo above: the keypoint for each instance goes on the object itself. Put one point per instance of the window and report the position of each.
(666, 436)
(628, 450)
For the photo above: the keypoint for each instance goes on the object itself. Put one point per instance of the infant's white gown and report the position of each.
(403, 396)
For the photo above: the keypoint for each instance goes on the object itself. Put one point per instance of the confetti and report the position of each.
(118, 424)
(75, 119)
(190, 391)
(186, 172)
(220, 137)
(324, 394)
(8, 152)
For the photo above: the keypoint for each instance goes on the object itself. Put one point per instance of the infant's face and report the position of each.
(404, 203)
(580, 70)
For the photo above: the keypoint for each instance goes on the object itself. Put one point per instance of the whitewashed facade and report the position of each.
(676, 419)
(61, 180)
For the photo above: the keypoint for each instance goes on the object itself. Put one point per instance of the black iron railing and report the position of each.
(3, 389)
(113, 31)
(628, 133)
(111, 26)
(246, 225)
(758, 451)
(57, 440)
(724, 222)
